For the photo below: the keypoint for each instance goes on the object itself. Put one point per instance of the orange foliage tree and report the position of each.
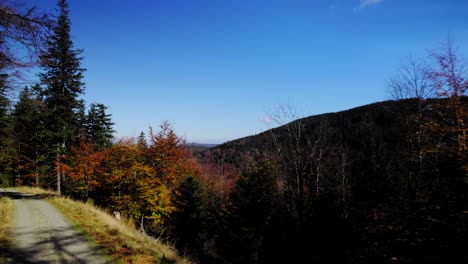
(169, 157)
(171, 162)
(134, 177)
(450, 81)
(86, 167)
(124, 172)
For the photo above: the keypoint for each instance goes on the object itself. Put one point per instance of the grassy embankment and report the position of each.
(6, 220)
(119, 240)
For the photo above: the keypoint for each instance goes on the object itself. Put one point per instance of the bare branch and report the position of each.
(411, 81)
(22, 35)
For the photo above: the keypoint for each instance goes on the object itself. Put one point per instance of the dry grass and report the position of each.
(122, 242)
(6, 220)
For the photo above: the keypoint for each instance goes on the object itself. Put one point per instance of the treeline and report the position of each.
(50, 139)
(49, 119)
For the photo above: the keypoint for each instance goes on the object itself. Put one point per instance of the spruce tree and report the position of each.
(6, 146)
(252, 208)
(190, 219)
(98, 126)
(27, 135)
(4, 104)
(62, 85)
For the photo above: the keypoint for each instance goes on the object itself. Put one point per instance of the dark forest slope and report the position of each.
(377, 125)
(385, 180)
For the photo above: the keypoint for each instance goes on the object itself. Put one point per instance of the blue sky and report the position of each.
(214, 68)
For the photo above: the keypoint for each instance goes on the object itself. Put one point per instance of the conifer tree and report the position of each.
(252, 202)
(6, 147)
(62, 85)
(190, 218)
(99, 126)
(27, 136)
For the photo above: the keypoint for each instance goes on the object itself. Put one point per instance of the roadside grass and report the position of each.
(6, 220)
(121, 241)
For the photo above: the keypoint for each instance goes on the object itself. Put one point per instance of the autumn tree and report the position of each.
(120, 182)
(86, 168)
(135, 178)
(170, 162)
(449, 79)
(169, 157)
(62, 85)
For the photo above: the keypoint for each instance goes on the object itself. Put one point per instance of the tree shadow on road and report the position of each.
(19, 195)
(60, 245)
(49, 244)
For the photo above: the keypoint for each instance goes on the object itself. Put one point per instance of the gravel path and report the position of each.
(43, 235)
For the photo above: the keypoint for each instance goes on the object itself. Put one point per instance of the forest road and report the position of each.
(41, 234)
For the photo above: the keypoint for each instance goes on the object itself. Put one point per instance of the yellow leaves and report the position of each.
(160, 201)
(137, 179)
(168, 156)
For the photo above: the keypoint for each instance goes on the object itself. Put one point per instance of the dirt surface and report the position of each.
(41, 234)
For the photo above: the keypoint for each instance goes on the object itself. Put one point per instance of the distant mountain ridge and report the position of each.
(201, 145)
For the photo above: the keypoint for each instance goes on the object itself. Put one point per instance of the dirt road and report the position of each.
(43, 235)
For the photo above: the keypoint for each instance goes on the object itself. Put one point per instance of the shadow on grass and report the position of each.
(19, 195)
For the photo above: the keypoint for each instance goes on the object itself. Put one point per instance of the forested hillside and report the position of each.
(370, 184)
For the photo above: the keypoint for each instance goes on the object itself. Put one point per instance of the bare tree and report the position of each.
(22, 34)
(301, 151)
(443, 75)
(411, 81)
(290, 153)
(343, 161)
(318, 147)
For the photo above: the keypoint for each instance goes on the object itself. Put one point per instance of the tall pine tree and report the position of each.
(98, 126)
(28, 137)
(62, 85)
(6, 146)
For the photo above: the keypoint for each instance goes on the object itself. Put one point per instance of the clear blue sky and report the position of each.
(213, 68)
